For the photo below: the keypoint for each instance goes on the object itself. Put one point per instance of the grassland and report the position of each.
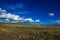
(28, 32)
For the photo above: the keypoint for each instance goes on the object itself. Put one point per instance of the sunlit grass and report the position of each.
(28, 32)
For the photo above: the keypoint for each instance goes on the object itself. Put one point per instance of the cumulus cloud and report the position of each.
(29, 19)
(3, 11)
(37, 20)
(4, 14)
(7, 20)
(51, 14)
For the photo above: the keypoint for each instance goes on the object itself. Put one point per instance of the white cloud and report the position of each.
(51, 14)
(15, 17)
(7, 20)
(37, 20)
(29, 19)
(21, 18)
(12, 16)
(3, 15)
(2, 11)
(9, 15)
(57, 21)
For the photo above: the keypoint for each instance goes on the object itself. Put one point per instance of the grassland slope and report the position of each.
(28, 32)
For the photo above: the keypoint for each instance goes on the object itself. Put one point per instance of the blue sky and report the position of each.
(46, 12)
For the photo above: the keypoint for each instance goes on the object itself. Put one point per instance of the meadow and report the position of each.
(28, 32)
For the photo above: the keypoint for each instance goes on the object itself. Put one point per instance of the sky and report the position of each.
(37, 12)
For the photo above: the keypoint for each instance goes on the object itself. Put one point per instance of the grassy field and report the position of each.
(28, 32)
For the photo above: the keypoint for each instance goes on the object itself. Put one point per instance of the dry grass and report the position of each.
(28, 32)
